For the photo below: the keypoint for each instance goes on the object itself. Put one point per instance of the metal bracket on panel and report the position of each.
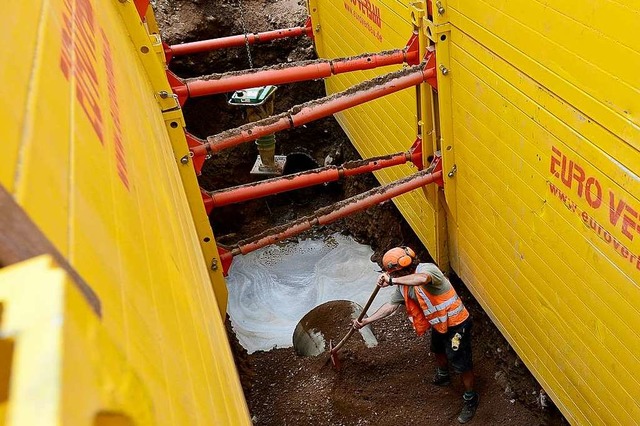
(198, 160)
(308, 24)
(436, 166)
(225, 260)
(167, 101)
(418, 9)
(156, 43)
(416, 147)
(313, 18)
(207, 199)
(178, 87)
(435, 32)
(431, 63)
(453, 171)
(141, 7)
(175, 120)
(167, 52)
(438, 11)
(158, 46)
(412, 47)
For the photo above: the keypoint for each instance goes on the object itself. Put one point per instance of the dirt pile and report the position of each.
(385, 385)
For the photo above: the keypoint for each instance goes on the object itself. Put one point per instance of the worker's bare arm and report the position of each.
(383, 312)
(411, 280)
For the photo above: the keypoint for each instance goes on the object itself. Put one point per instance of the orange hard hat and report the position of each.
(398, 258)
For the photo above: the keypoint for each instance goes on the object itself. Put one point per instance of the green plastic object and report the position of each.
(252, 97)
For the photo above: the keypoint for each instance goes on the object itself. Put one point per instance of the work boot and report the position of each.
(442, 378)
(469, 408)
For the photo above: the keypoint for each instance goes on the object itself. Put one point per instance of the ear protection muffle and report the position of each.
(404, 260)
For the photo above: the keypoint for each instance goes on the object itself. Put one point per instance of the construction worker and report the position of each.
(431, 301)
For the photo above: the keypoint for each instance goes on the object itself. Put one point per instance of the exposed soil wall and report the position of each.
(385, 385)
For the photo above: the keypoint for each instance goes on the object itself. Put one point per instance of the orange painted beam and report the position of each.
(317, 109)
(339, 210)
(239, 40)
(304, 179)
(229, 82)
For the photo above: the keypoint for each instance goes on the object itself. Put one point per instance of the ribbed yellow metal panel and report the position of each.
(88, 157)
(544, 103)
(386, 125)
(540, 113)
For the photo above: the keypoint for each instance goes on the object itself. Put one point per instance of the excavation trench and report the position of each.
(383, 384)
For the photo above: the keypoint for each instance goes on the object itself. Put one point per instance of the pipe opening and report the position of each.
(299, 162)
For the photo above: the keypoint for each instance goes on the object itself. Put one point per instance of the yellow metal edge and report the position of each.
(150, 20)
(174, 121)
(438, 33)
(147, 46)
(312, 10)
(60, 357)
(154, 65)
(428, 134)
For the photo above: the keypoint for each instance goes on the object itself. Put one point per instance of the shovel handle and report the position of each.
(369, 302)
(362, 314)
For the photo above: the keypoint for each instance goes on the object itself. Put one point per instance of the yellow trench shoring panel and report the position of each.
(86, 152)
(540, 112)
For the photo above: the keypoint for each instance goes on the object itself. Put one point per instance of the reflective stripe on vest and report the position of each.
(444, 318)
(433, 309)
(424, 313)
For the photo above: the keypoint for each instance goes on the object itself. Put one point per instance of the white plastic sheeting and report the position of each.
(271, 289)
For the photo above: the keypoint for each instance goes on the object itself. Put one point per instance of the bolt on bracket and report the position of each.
(168, 101)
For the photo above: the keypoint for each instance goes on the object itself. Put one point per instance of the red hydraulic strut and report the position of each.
(339, 210)
(304, 179)
(289, 73)
(235, 41)
(316, 109)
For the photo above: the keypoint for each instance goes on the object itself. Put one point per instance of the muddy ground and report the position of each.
(385, 385)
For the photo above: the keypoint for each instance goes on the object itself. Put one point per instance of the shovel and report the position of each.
(333, 351)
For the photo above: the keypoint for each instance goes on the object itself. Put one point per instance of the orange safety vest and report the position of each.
(441, 312)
